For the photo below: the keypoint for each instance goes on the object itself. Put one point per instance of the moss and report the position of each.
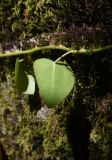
(65, 133)
(100, 136)
(27, 18)
(20, 131)
(55, 142)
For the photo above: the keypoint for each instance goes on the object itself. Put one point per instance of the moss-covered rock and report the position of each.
(56, 145)
(81, 128)
(101, 132)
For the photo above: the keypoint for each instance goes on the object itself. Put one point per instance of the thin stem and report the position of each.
(34, 51)
(64, 55)
(53, 47)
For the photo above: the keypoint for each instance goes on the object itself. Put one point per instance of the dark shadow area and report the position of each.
(35, 101)
(95, 76)
(3, 155)
(78, 131)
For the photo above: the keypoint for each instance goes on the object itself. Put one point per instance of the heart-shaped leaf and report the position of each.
(55, 80)
(24, 82)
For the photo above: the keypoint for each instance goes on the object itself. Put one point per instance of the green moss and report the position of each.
(55, 142)
(100, 136)
(20, 131)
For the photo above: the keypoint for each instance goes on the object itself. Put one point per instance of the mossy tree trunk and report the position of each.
(81, 127)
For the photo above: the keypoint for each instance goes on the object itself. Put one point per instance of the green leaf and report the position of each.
(31, 85)
(21, 79)
(55, 80)
(24, 82)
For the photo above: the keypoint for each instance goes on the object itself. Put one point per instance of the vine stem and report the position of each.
(54, 47)
(34, 51)
(63, 55)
